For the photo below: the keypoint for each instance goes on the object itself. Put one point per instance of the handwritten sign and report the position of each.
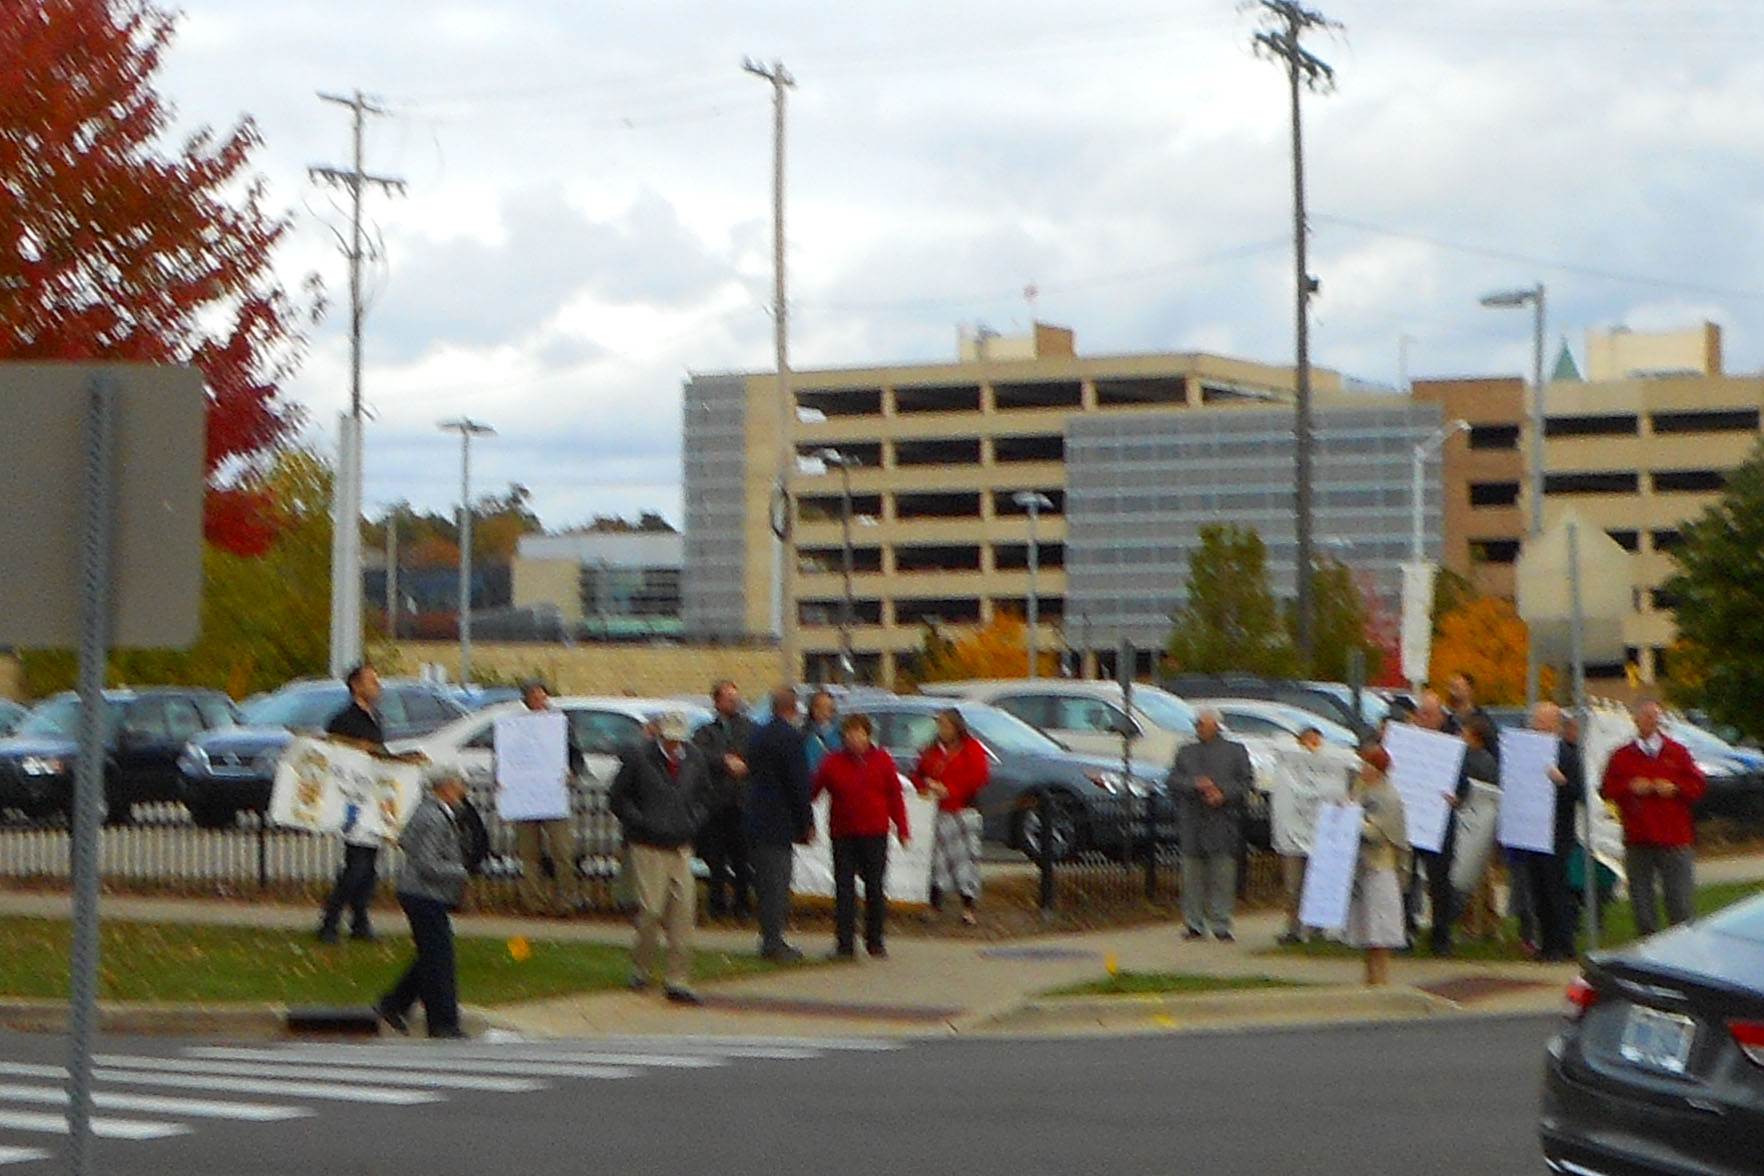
(1329, 876)
(1528, 795)
(326, 787)
(532, 766)
(1424, 768)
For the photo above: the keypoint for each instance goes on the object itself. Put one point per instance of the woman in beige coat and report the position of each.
(1375, 912)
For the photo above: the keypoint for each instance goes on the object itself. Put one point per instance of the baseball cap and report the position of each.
(671, 725)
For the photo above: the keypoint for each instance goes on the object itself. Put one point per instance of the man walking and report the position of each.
(724, 742)
(1209, 783)
(431, 884)
(1653, 780)
(357, 724)
(659, 797)
(777, 816)
(1307, 777)
(553, 837)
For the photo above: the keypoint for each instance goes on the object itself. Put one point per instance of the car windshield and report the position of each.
(1003, 732)
(1164, 710)
(1700, 743)
(61, 717)
(297, 708)
(1373, 706)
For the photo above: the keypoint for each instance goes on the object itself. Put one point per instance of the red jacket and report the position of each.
(1652, 819)
(963, 772)
(865, 793)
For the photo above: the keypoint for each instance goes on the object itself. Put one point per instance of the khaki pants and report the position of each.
(1292, 883)
(533, 840)
(666, 895)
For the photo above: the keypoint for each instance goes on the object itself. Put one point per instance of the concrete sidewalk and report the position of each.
(942, 985)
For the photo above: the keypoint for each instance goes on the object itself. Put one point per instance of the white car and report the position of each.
(1086, 715)
(1276, 720)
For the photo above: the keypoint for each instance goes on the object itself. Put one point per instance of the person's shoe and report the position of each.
(683, 996)
(782, 954)
(877, 951)
(842, 953)
(393, 1018)
(448, 1033)
(639, 983)
(329, 935)
(1224, 937)
(1191, 934)
(366, 936)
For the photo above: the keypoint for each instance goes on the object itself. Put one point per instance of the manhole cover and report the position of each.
(1037, 953)
(1469, 989)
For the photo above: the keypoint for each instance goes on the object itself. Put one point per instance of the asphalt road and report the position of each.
(1445, 1097)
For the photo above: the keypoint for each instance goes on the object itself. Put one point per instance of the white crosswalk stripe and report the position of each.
(295, 1080)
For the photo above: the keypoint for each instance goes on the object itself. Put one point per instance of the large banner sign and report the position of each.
(326, 787)
(909, 869)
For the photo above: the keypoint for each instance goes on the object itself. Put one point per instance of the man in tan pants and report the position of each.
(554, 838)
(661, 796)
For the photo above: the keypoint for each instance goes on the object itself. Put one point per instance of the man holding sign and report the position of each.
(536, 758)
(1541, 784)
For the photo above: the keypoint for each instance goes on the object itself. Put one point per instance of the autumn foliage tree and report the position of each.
(112, 247)
(997, 650)
(1485, 638)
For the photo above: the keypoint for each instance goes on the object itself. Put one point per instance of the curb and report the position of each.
(154, 1019)
(1315, 1004)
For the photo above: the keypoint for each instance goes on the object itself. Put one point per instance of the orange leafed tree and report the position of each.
(1486, 639)
(996, 650)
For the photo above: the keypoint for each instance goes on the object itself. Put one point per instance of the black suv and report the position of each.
(144, 730)
(225, 773)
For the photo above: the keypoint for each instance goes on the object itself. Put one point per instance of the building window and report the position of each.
(1047, 608)
(1048, 394)
(1153, 390)
(1661, 600)
(1014, 449)
(1494, 551)
(1004, 502)
(830, 508)
(1494, 493)
(1689, 481)
(1736, 420)
(841, 402)
(1612, 482)
(1014, 557)
(1627, 540)
(826, 612)
(812, 561)
(1494, 436)
(863, 454)
(957, 505)
(1665, 540)
(937, 610)
(937, 558)
(1615, 425)
(944, 398)
(955, 451)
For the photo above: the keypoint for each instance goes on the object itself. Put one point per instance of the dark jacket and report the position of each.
(357, 722)
(778, 811)
(1570, 793)
(656, 805)
(1203, 829)
(717, 738)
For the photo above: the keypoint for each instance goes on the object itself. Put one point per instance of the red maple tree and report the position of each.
(113, 248)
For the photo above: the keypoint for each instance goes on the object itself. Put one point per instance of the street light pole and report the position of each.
(1034, 502)
(467, 428)
(1535, 297)
(847, 664)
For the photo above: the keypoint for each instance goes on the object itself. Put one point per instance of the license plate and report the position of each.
(1660, 1041)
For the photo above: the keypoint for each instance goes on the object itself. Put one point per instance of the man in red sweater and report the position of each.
(1653, 781)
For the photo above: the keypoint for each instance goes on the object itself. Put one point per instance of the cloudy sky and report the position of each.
(587, 218)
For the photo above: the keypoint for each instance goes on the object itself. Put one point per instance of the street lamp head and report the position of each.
(834, 457)
(1461, 426)
(1510, 299)
(466, 426)
(1032, 500)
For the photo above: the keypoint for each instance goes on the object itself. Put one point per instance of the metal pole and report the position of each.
(1415, 546)
(1034, 600)
(392, 576)
(1575, 656)
(1532, 671)
(1302, 420)
(97, 507)
(846, 665)
(465, 557)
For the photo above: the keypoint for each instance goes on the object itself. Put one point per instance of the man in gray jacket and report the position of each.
(1209, 783)
(431, 884)
(660, 796)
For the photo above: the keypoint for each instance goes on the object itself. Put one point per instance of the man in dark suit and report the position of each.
(777, 816)
(721, 844)
(359, 724)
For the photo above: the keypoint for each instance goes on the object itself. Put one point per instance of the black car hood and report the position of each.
(246, 741)
(44, 745)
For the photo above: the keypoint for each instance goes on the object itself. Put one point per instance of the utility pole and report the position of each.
(1280, 41)
(467, 428)
(782, 511)
(346, 494)
(392, 575)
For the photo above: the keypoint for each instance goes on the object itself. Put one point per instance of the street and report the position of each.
(1448, 1097)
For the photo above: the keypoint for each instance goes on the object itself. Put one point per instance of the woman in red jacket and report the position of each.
(952, 771)
(865, 797)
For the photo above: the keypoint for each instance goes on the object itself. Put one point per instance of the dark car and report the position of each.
(11, 715)
(1094, 807)
(225, 773)
(1332, 700)
(1660, 1068)
(144, 730)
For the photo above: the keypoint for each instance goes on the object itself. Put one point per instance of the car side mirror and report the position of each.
(1123, 730)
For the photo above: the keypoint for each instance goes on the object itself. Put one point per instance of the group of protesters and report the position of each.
(739, 795)
(1652, 781)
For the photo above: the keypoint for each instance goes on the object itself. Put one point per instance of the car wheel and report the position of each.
(1066, 829)
(213, 816)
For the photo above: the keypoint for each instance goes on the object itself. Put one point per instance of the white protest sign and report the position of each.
(1424, 768)
(1477, 818)
(1329, 875)
(1528, 795)
(1303, 781)
(532, 766)
(326, 787)
(909, 868)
